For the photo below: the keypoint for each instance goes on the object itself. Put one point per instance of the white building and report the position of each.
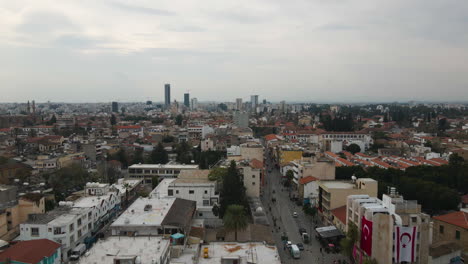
(326, 139)
(129, 250)
(241, 119)
(147, 171)
(194, 104)
(73, 221)
(240, 253)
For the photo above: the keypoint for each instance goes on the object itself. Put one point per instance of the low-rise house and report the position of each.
(452, 227)
(38, 251)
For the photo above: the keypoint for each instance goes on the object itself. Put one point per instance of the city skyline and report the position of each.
(301, 51)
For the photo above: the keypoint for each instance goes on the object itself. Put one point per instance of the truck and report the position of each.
(305, 238)
(78, 251)
(295, 252)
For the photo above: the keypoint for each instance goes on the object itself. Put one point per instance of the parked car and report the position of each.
(78, 251)
(302, 230)
(300, 246)
(295, 215)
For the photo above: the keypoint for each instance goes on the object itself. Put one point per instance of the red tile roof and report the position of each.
(256, 164)
(439, 160)
(307, 179)
(31, 251)
(129, 127)
(344, 162)
(340, 213)
(270, 137)
(459, 218)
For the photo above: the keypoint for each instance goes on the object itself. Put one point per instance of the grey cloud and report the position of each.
(333, 27)
(46, 22)
(77, 41)
(183, 28)
(142, 9)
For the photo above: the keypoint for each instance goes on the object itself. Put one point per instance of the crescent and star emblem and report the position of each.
(366, 233)
(404, 243)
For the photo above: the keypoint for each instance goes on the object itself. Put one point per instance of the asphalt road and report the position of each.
(283, 210)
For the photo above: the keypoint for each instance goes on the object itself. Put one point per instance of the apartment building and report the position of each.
(333, 194)
(452, 227)
(386, 215)
(364, 140)
(73, 222)
(148, 171)
(252, 174)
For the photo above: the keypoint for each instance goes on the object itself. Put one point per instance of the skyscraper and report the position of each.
(187, 99)
(254, 102)
(239, 104)
(167, 94)
(194, 104)
(115, 107)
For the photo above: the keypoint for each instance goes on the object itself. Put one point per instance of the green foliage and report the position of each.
(138, 156)
(263, 131)
(217, 174)
(184, 153)
(68, 179)
(121, 156)
(159, 155)
(235, 219)
(154, 181)
(178, 120)
(353, 148)
(113, 120)
(168, 139)
(339, 123)
(437, 187)
(49, 205)
(215, 210)
(143, 193)
(348, 242)
(309, 210)
(52, 120)
(233, 190)
(206, 159)
(3, 160)
(456, 160)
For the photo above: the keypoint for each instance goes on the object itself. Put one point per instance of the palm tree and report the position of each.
(235, 219)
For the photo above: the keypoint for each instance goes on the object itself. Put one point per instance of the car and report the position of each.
(288, 244)
(295, 214)
(302, 230)
(300, 246)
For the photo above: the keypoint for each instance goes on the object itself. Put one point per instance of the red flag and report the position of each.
(366, 236)
(405, 240)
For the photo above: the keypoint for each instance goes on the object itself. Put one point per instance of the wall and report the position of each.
(449, 233)
(27, 207)
(251, 153)
(251, 181)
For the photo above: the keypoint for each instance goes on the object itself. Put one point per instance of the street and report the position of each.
(282, 210)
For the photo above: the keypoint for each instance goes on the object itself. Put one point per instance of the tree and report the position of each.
(154, 181)
(138, 156)
(178, 120)
(113, 120)
(233, 190)
(217, 174)
(215, 210)
(353, 148)
(235, 219)
(290, 177)
(348, 242)
(223, 107)
(456, 160)
(159, 155)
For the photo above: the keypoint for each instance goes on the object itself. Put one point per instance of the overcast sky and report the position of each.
(310, 50)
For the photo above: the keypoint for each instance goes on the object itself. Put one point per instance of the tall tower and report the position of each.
(29, 108)
(33, 107)
(239, 104)
(115, 107)
(254, 102)
(167, 94)
(187, 99)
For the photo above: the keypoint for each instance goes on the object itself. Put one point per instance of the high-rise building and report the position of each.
(187, 99)
(283, 106)
(264, 101)
(115, 107)
(254, 102)
(194, 104)
(167, 94)
(241, 119)
(239, 104)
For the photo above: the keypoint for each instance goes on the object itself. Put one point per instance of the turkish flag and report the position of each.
(366, 236)
(405, 240)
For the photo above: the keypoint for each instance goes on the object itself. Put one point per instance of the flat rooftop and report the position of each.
(248, 252)
(163, 166)
(146, 249)
(135, 215)
(161, 189)
(338, 185)
(91, 201)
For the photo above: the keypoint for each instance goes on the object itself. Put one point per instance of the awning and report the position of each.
(328, 232)
(177, 235)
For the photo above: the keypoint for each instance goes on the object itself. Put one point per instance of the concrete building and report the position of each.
(252, 174)
(14, 211)
(129, 250)
(333, 194)
(240, 253)
(385, 215)
(239, 105)
(241, 119)
(287, 153)
(452, 227)
(194, 104)
(253, 103)
(38, 251)
(187, 99)
(73, 222)
(148, 171)
(115, 107)
(167, 95)
(327, 139)
(251, 150)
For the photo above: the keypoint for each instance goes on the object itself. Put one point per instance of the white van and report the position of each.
(78, 251)
(295, 252)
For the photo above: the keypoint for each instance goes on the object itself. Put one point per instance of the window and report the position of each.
(79, 233)
(457, 235)
(441, 229)
(57, 230)
(200, 214)
(79, 222)
(253, 176)
(414, 219)
(89, 215)
(72, 239)
(90, 226)
(206, 202)
(170, 192)
(191, 191)
(34, 231)
(177, 191)
(206, 192)
(72, 227)
(253, 183)
(49, 229)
